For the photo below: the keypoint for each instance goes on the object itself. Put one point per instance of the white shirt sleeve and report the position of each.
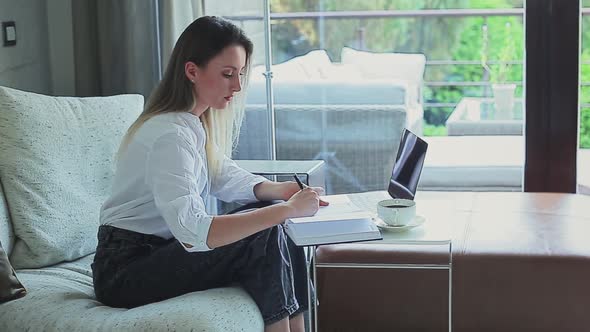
(170, 173)
(235, 184)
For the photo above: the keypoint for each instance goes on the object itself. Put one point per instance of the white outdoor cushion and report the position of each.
(475, 163)
(300, 68)
(331, 92)
(61, 298)
(56, 165)
(288, 71)
(341, 72)
(471, 178)
(312, 62)
(409, 67)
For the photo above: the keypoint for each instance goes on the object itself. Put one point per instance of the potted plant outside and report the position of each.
(502, 90)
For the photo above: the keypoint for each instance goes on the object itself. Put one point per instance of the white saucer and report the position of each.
(418, 220)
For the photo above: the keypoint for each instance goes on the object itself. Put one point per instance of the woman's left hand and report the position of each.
(290, 188)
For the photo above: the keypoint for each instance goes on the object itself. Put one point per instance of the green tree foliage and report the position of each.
(585, 77)
(585, 128)
(429, 35)
(469, 48)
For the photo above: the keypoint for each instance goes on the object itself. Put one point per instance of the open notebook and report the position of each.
(339, 222)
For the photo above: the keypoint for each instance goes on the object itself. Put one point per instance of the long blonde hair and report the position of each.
(202, 40)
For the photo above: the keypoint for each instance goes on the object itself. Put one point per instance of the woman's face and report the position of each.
(217, 82)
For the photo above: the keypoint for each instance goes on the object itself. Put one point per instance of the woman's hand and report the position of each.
(290, 188)
(304, 203)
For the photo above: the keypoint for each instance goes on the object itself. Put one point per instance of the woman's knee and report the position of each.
(268, 243)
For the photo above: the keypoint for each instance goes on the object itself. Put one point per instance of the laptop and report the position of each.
(408, 166)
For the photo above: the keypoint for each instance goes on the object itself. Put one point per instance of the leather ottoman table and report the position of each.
(520, 262)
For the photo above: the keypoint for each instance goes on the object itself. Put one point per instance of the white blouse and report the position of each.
(161, 182)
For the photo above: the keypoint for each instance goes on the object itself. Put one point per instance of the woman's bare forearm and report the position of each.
(227, 229)
(270, 190)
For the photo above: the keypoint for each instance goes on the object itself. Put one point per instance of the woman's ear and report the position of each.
(190, 70)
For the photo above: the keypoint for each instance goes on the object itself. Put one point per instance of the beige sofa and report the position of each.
(56, 164)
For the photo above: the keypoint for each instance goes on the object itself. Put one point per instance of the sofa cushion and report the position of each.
(330, 92)
(404, 66)
(10, 287)
(313, 79)
(300, 68)
(56, 165)
(63, 299)
(475, 163)
(288, 71)
(311, 63)
(341, 72)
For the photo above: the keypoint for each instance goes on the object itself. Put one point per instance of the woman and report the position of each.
(156, 240)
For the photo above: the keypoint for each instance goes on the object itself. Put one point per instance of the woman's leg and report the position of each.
(300, 277)
(268, 275)
(132, 272)
(133, 269)
(280, 326)
(301, 281)
(293, 279)
(296, 323)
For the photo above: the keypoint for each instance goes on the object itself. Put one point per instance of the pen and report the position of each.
(301, 185)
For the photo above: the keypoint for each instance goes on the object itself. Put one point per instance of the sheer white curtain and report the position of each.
(175, 16)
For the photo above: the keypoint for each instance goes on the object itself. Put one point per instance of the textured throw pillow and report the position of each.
(10, 287)
(56, 165)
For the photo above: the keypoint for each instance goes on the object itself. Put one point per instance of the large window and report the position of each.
(349, 76)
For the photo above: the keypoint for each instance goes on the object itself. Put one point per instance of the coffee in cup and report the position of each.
(396, 212)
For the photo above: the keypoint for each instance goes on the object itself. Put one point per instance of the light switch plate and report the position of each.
(9, 33)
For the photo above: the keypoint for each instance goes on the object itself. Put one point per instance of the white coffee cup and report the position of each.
(397, 212)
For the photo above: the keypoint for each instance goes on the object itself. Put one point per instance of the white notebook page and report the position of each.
(340, 208)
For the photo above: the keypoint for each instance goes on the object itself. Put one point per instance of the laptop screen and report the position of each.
(408, 166)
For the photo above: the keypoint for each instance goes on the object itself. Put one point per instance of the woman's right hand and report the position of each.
(304, 203)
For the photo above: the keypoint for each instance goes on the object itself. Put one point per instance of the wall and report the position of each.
(26, 65)
(42, 60)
